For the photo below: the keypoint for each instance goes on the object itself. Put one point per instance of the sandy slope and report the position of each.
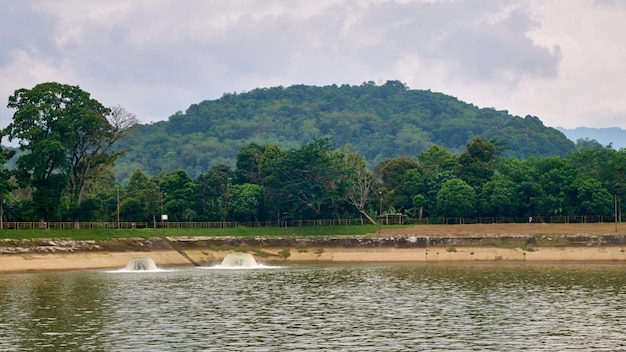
(205, 256)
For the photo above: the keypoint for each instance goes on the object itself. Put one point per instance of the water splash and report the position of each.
(140, 264)
(238, 260)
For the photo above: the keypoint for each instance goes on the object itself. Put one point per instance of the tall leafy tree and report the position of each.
(436, 159)
(605, 165)
(593, 199)
(433, 185)
(476, 165)
(556, 180)
(272, 155)
(209, 190)
(142, 199)
(394, 170)
(178, 189)
(247, 200)
(247, 165)
(402, 178)
(93, 152)
(6, 185)
(617, 178)
(306, 177)
(67, 139)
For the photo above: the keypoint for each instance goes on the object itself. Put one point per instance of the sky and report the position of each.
(563, 61)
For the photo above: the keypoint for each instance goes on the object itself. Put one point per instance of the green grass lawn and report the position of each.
(104, 234)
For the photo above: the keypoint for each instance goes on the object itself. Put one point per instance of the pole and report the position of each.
(118, 207)
(615, 205)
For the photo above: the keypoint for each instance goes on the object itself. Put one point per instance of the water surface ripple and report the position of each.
(319, 308)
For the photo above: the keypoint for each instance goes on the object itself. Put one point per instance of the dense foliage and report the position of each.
(316, 180)
(378, 122)
(66, 139)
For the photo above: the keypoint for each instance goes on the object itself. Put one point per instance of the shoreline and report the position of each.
(57, 255)
(40, 262)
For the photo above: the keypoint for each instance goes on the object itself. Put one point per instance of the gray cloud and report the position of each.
(156, 57)
(459, 35)
(24, 28)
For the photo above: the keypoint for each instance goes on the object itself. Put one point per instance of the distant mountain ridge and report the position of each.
(605, 136)
(377, 121)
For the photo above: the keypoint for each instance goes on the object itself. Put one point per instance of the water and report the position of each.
(421, 307)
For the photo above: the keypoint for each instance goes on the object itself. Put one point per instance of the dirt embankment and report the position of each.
(424, 243)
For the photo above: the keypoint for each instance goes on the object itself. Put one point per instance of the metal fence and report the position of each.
(68, 225)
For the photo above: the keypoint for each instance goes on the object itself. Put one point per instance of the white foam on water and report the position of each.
(137, 271)
(139, 265)
(223, 267)
(239, 261)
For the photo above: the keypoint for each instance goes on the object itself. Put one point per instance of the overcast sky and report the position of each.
(561, 60)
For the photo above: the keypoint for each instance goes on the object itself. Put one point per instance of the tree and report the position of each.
(605, 165)
(89, 210)
(554, 177)
(144, 196)
(132, 209)
(412, 139)
(247, 166)
(393, 172)
(378, 122)
(6, 185)
(456, 199)
(498, 198)
(93, 153)
(248, 198)
(402, 178)
(271, 156)
(67, 140)
(617, 178)
(592, 197)
(209, 190)
(436, 159)
(433, 185)
(359, 183)
(306, 177)
(401, 197)
(177, 189)
(475, 166)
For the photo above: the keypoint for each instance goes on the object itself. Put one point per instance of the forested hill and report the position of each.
(378, 122)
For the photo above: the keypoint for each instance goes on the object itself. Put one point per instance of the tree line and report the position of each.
(377, 121)
(64, 172)
(317, 181)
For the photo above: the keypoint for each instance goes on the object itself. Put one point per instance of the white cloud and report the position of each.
(563, 61)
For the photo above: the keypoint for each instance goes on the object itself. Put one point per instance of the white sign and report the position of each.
(163, 217)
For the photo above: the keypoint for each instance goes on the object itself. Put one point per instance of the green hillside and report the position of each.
(378, 122)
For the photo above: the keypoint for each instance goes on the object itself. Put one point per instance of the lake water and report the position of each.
(366, 307)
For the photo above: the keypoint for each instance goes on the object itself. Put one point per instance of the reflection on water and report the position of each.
(417, 307)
